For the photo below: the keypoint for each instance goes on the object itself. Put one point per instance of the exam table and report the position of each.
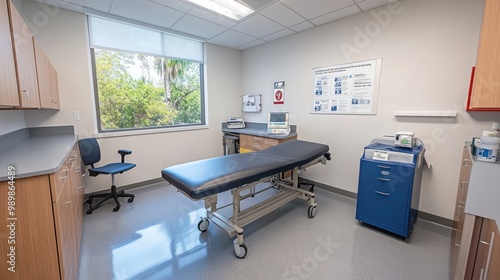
(241, 173)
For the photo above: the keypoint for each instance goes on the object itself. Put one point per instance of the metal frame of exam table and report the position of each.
(288, 191)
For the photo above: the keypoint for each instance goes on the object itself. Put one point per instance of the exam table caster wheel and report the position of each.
(203, 225)
(89, 211)
(311, 211)
(130, 199)
(240, 251)
(116, 209)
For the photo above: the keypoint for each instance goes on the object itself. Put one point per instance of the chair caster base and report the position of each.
(116, 209)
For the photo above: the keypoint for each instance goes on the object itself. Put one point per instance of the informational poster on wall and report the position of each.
(347, 89)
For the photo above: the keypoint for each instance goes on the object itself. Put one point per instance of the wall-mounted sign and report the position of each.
(279, 92)
(251, 103)
(347, 89)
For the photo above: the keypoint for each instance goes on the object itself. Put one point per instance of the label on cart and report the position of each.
(380, 155)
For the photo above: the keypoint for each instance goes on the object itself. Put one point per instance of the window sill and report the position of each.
(148, 131)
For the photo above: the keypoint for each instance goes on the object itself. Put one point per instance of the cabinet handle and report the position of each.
(464, 163)
(463, 184)
(83, 175)
(65, 176)
(384, 179)
(383, 166)
(382, 193)
(27, 94)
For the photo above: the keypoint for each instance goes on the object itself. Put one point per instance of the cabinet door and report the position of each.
(488, 254)
(43, 74)
(24, 55)
(65, 235)
(34, 234)
(8, 84)
(77, 185)
(486, 87)
(54, 87)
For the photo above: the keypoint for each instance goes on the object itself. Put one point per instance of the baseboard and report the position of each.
(421, 215)
(131, 186)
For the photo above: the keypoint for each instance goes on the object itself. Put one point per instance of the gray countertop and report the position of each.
(35, 151)
(259, 129)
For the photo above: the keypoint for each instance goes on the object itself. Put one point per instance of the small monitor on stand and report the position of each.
(277, 123)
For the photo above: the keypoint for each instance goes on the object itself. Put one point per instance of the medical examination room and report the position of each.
(249, 139)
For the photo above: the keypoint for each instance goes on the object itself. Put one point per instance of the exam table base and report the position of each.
(288, 191)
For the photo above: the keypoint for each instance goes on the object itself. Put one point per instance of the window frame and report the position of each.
(152, 129)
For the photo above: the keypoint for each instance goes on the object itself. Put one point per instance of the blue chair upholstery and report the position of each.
(91, 154)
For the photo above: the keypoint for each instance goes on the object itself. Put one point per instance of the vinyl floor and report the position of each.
(156, 237)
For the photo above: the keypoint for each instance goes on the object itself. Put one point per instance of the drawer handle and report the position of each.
(464, 184)
(382, 193)
(384, 179)
(386, 173)
(465, 162)
(383, 166)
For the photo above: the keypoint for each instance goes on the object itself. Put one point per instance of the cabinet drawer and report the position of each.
(387, 179)
(382, 214)
(395, 170)
(384, 193)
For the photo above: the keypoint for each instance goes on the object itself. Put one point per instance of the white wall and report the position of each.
(63, 37)
(11, 121)
(428, 48)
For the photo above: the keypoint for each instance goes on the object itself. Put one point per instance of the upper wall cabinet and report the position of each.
(27, 78)
(485, 90)
(47, 80)
(24, 55)
(8, 84)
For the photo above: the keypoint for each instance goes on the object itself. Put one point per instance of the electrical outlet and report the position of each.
(76, 115)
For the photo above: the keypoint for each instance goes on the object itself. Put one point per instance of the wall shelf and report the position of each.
(438, 114)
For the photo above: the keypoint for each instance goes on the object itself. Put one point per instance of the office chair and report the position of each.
(91, 154)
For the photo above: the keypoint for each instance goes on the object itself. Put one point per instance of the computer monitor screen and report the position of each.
(278, 120)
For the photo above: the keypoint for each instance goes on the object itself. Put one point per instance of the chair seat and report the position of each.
(112, 168)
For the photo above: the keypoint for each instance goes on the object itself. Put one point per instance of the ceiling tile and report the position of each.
(302, 26)
(197, 26)
(282, 15)
(62, 4)
(258, 26)
(156, 14)
(99, 5)
(315, 8)
(345, 12)
(370, 4)
(251, 44)
(231, 39)
(257, 4)
(222, 20)
(174, 4)
(279, 34)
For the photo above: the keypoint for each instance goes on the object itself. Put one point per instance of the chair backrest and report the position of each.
(89, 150)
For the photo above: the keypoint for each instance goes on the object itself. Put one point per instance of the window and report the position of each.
(144, 78)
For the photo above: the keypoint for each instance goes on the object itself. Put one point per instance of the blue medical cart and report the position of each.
(389, 187)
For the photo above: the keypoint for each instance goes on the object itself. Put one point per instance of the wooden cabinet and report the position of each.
(48, 214)
(475, 248)
(485, 91)
(8, 84)
(27, 78)
(24, 55)
(250, 143)
(488, 252)
(47, 79)
(459, 216)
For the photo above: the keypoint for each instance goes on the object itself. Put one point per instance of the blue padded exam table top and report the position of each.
(202, 178)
